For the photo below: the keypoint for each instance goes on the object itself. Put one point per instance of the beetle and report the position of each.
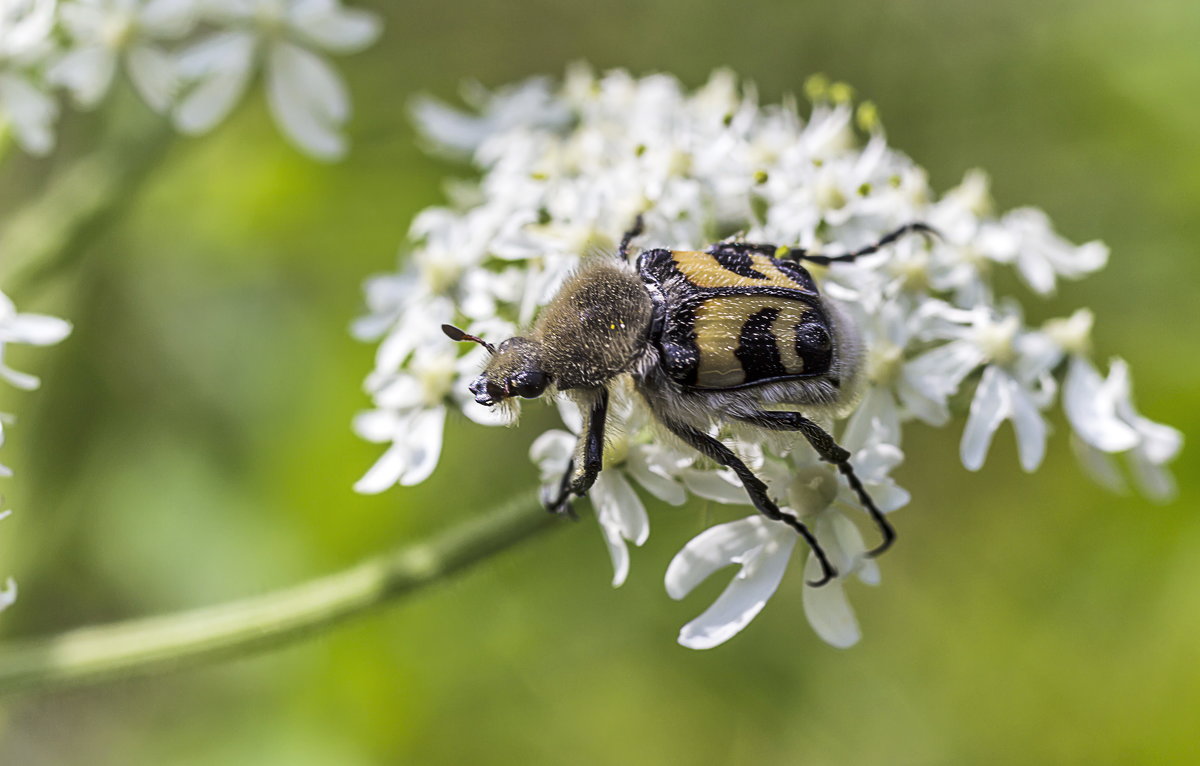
(734, 333)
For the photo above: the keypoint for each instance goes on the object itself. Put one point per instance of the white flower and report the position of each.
(897, 389)
(305, 94)
(1026, 237)
(30, 329)
(1015, 384)
(26, 39)
(104, 31)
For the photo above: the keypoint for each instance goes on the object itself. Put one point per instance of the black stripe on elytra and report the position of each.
(680, 352)
(739, 263)
(797, 273)
(814, 345)
(756, 346)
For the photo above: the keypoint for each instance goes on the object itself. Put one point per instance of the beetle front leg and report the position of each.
(583, 469)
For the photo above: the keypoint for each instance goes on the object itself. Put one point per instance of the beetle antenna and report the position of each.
(453, 333)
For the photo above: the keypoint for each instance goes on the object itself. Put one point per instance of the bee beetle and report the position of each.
(730, 334)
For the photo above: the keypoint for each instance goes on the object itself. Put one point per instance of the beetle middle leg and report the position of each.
(585, 466)
(755, 488)
(831, 452)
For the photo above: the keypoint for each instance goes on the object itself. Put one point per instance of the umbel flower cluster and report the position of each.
(567, 166)
(190, 59)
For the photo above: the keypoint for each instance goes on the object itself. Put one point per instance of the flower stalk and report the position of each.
(185, 639)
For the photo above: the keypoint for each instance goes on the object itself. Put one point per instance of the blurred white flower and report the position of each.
(30, 329)
(306, 96)
(105, 31)
(564, 170)
(26, 40)
(1113, 425)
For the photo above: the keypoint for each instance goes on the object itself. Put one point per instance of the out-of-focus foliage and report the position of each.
(191, 442)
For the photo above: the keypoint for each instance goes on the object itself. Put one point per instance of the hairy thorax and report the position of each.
(596, 327)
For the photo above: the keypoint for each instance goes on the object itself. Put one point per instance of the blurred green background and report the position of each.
(192, 444)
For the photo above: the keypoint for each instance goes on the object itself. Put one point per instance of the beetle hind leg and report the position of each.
(755, 488)
(831, 452)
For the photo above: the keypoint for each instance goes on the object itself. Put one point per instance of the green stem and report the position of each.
(169, 642)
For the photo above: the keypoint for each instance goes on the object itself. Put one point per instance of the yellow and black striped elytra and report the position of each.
(733, 319)
(736, 333)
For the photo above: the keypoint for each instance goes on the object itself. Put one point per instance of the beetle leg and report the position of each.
(635, 230)
(800, 254)
(755, 488)
(583, 469)
(831, 452)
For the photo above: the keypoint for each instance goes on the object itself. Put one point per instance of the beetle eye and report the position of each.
(529, 385)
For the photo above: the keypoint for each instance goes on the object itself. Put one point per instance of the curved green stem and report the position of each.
(168, 642)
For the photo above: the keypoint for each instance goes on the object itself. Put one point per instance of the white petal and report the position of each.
(385, 472)
(1029, 426)
(1091, 409)
(618, 553)
(30, 111)
(618, 505)
(308, 100)
(35, 329)
(720, 486)
(376, 425)
(342, 30)
(938, 373)
(827, 609)
(552, 451)
(989, 408)
(21, 380)
(742, 600)
(1156, 482)
(87, 72)
(168, 18)
(153, 74)
(220, 84)
(9, 595)
(877, 417)
(654, 479)
(1160, 443)
(425, 445)
(714, 548)
(1099, 465)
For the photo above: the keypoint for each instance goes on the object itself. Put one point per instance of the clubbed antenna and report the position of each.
(453, 333)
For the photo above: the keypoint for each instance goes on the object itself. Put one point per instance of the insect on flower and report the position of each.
(729, 334)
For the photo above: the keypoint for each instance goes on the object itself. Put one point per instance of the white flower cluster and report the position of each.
(192, 59)
(34, 330)
(565, 170)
